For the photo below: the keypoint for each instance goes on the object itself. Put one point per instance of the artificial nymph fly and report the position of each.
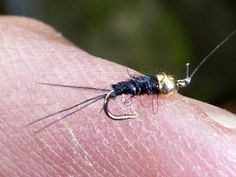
(160, 84)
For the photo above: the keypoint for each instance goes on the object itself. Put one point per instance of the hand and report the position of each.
(185, 138)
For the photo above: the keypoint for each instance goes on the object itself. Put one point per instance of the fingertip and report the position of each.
(220, 116)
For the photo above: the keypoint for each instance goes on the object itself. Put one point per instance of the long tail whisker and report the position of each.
(69, 108)
(73, 112)
(74, 87)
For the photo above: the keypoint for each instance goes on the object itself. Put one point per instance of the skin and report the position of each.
(185, 137)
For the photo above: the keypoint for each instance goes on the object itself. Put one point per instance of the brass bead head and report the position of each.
(167, 83)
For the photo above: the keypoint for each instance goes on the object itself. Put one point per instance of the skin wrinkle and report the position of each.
(113, 152)
(49, 147)
(130, 145)
(47, 159)
(176, 146)
(221, 163)
(26, 171)
(147, 149)
(171, 146)
(231, 155)
(56, 105)
(7, 166)
(69, 71)
(143, 147)
(13, 145)
(29, 158)
(3, 174)
(179, 165)
(68, 155)
(93, 74)
(230, 170)
(75, 163)
(101, 71)
(127, 153)
(119, 148)
(56, 164)
(109, 162)
(77, 144)
(144, 170)
(10, 58)
(178, 162)
(51, 167)
(72, 166)
(207, 164)
(66, 66)
(18, 51)
(83, 75)
(188, 160)
(126, 139)
(34, 154)
(29, 48)
(2, 65)
(232, 167)
(87, 154)
(73, 137)
(25, 85)
(34, 56)
(155, 143)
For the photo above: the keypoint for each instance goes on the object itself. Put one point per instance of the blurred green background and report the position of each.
(150, 36)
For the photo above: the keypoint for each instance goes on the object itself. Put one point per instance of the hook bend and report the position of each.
(110, 114)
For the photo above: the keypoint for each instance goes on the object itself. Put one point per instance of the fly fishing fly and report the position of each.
(160, 84)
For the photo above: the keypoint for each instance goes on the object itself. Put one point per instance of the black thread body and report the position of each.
(140, 85)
